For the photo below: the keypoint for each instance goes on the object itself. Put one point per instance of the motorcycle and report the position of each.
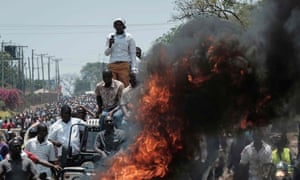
(282, 171)
(279, 171)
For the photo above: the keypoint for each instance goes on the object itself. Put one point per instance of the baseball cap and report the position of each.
(120, 20)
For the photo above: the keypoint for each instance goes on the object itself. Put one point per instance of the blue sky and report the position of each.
(75, 30)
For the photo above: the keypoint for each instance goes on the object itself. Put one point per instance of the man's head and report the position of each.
(80, 112)
(65, 113)
(280, 141)
(42, 131)
(138, 52)
(15, 147)
(107, 77)
(258, 135)
(108, 123)
(119, 25)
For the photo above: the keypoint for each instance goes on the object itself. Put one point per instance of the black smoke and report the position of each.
(268, 52)
(256, 79)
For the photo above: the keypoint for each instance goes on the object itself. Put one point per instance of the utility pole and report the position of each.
(49, 82)
(21, 61)
(30, 75)
(2, 65)
(38, 68)
(42, 64)
(57, 76)
(32, 67)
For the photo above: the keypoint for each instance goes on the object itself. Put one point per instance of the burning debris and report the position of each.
(214, 76)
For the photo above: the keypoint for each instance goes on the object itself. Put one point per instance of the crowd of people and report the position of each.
(47, 133)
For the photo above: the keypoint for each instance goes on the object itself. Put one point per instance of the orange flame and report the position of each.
(151, 153)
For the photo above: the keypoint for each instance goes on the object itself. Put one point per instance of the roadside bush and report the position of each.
(11, 97)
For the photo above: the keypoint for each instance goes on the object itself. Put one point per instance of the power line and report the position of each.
(64, 33)
(79, 25)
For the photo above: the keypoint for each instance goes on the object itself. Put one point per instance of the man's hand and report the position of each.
(111, 40)
(110, 113)
(56, 167)
(57, 143)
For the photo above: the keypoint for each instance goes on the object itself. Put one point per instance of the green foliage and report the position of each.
(81, 86)
(2, 104)
(90, 76)
(92, 72)
(234, 10)
(167, 37)
(12, 77)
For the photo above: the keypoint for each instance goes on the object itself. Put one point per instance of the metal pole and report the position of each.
(2, 66)
(29, 71)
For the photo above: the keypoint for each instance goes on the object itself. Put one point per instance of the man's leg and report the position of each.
(123, 73)
(120, 72)
(114, 70)
(117, 116)
(103, 116)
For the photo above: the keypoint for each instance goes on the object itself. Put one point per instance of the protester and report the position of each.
(3, 146)
(256, 154)
(43, 148)
(60, 132)
(82, 112)
(138, 60)
(121, 48)
(108, 141)
(127, 99)
(16, 166)
(108, 93)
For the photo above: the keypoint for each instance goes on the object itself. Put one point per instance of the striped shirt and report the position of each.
(110, 95)
(44, 150)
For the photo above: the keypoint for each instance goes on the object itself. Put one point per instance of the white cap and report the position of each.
(121, 20)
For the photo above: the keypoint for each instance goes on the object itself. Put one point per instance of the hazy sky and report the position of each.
(75, 30)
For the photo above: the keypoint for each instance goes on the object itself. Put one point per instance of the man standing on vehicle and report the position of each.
(108, 93)
(126, 101)
(60, 134)
(122, 51)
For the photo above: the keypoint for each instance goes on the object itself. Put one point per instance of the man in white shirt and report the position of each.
(60, 131)
(122, 51)
(42, 148)
(256, 154)
(126, 101)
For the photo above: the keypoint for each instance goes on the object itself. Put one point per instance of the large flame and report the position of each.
(151, 153)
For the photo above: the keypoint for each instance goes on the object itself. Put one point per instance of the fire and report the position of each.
(151, 153)
(217, 77)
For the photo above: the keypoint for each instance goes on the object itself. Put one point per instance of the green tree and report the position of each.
(90, 76)
(81, 86)
(234, 10)
(168, 36)
(8, 70)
